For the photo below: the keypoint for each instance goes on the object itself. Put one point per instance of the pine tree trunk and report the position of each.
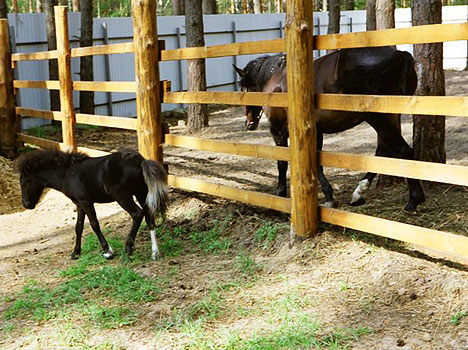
(429, 131)
(52, 45)
(334, 16)
(258, 6)
(3, 9)
(196, 74)
(178, 7)
(370, 15)
(210, 7)
(385, 14)
(39, 6)
(76, 5)
(86, 62)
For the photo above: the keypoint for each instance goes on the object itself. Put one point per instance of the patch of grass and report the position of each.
(209, 308)
(98, 294)
(44, 131)
(211, 241)
(245, 264)
(168, 243)
(459, 315)
(110, 317)
(298, 332)
(267, 234)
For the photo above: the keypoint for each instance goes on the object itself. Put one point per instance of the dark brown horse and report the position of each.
(369, 71)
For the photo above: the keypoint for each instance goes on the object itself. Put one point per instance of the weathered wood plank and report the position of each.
(108, 49)
(40, 55)
(37, 84)
(106, 86)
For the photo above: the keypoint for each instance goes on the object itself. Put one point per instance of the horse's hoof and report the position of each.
(357, 202)
(74, 256)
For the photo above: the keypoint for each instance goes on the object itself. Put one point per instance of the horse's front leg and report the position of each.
(80, 217)
(91, 213)
(282, 140)
(327, 189)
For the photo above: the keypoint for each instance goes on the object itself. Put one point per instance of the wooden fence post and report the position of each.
(148, 96)
(301, 113)
(65, 78)
(8, 120)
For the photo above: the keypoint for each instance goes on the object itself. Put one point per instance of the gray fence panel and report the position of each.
(30, 36)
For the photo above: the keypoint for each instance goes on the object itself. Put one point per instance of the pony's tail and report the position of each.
(156, 179)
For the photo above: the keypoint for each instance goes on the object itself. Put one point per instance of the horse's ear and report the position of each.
(239, 71)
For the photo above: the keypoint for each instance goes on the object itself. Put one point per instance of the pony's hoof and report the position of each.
(154, 256)
(330, 204)
(357, 202)
(109, 254)
(74, 256)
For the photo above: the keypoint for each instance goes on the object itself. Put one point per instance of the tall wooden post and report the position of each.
(65, 78)
(301, 114)
(8, 121)
(148, 96)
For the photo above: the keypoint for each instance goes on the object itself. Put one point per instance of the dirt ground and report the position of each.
(408, 299)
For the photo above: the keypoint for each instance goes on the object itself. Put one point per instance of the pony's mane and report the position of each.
(260, 70)
(41, 159)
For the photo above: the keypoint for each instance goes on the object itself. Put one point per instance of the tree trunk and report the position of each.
(210, 7)
(251, 7)
(86, 62)
(178, 7)
(3, 9)
(14, 3)
(334, 17)
(76, 5)
(258, 6)
(39, 6)
(370, 15)
(429, 131)
(385, 14)
(52, 45)
(196, 71)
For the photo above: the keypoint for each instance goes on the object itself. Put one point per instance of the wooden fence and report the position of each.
(303, 206)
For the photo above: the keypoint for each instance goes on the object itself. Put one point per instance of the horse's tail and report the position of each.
(156, 179)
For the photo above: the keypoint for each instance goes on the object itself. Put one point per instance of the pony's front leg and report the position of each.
(80, 217)
(282, 180)
(91, 213)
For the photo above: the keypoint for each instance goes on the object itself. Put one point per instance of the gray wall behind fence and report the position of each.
(28, 32)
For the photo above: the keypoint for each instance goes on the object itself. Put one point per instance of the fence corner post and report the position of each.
(301, 115)
(8, 121)
(148, 95)
(65, 77)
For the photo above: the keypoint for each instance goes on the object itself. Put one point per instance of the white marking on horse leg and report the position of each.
(359, 193)
(109, 254)
(154, 246)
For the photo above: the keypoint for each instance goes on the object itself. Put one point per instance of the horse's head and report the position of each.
(31, 191)
(252, 113)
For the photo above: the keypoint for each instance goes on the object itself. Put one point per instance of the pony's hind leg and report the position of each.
(137, 216)
(91, 213)
(79, 231)
(150, 222)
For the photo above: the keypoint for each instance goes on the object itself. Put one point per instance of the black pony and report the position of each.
(85, 180)
(368, 71)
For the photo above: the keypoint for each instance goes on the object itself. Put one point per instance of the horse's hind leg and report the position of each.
(91, 213)
(150, 222)
(397, 145)
(137, 216)
(327, 189)
(359, 194)
(79, 231)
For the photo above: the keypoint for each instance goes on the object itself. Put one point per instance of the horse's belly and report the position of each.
(330, 122)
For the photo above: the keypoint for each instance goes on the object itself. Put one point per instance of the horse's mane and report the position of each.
(260, 70)
(41, 159)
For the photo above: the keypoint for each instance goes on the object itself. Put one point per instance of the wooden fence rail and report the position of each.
(455, 247)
